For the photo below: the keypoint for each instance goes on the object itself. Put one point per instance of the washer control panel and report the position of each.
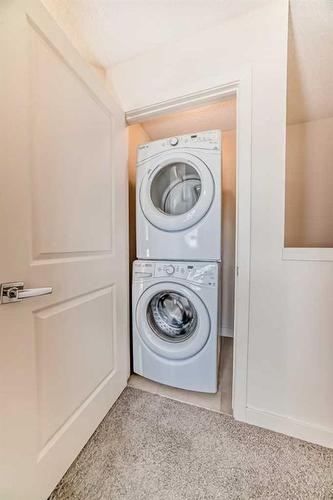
(194, 272)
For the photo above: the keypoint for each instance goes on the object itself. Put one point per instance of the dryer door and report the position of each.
(172, 321)
(177, 192)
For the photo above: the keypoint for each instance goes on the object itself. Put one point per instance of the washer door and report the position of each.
(177, 192)
(172, 321)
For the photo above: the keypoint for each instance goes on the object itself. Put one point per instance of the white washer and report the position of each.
(176, 322)
(178, 193)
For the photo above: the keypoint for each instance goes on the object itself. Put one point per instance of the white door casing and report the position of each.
(64, 358)
(236, 83)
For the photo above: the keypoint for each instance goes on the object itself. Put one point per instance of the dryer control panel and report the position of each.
(199, 273)
(209, 140)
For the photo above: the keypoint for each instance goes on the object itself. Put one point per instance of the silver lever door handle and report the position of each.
(15, 292)
(34, 292)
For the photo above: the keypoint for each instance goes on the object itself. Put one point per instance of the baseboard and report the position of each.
(290, 426)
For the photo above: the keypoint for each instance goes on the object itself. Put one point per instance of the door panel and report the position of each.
(72, 196)
(74, 350)
(64, 358)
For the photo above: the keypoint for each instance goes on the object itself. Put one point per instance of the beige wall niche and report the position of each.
(309, 139)
(309, 184)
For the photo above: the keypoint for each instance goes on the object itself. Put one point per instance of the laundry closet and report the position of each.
(195, 125)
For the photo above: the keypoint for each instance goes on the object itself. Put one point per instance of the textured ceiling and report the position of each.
(220, 116)
(310, 60)
(107, 32)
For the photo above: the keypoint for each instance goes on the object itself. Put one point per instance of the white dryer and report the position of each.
(176, 323)
(178, 193)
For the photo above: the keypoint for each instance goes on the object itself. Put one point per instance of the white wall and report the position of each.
(290, 369)
(309, 184)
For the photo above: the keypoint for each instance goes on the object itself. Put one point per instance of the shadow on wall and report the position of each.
(136, 136)
(228, 230)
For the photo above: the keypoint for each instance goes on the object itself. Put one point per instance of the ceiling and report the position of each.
(221, 115)
(310, 60)
(107, 32)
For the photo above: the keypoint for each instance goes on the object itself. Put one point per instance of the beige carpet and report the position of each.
(153, 448)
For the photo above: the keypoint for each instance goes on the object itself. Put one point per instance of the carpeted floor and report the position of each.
(153, 448)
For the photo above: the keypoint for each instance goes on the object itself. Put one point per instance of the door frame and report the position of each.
(238, 85)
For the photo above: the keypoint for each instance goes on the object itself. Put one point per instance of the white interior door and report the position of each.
(64, 358)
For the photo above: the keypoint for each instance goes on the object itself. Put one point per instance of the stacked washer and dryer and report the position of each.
(176, 281)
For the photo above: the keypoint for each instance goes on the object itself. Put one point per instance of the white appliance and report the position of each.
(176, 323)
(179, 191)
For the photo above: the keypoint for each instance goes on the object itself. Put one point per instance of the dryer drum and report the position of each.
(182, 197)
(172, 316)
(176, 188)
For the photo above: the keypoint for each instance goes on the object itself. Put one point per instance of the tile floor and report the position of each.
(220, 402)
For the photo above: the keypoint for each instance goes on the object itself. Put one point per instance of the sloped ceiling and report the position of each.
(107, 32)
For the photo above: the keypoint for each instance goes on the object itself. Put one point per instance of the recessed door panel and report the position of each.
(74, 344)
(71, 158)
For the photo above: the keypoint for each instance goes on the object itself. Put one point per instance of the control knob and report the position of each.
(173, 141)
(170, 269)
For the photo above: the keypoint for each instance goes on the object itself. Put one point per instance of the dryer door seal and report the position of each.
(172, 321)
(177, 192)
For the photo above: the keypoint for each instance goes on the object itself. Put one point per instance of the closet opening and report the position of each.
(220, 116)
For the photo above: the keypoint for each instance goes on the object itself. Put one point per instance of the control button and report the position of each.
(173, 141)
(140, 274)
(170, 269)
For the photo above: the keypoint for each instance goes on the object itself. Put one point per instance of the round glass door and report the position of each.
(172, 316)
(172, 320)
(176, 192)
(176, 188)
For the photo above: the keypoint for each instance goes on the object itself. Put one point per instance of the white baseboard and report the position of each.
(290, 426)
